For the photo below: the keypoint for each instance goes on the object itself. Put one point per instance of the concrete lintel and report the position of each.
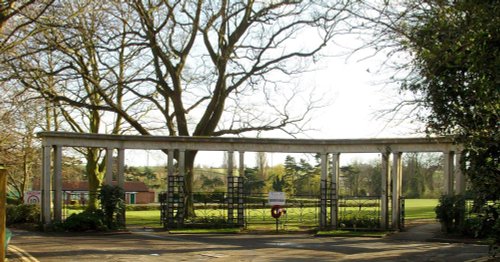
(250, 144)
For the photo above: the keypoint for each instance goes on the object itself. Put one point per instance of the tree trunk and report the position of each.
(94, 176)
(189, 210)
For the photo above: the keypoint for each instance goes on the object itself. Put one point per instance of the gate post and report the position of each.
(396, 189)
(57, 182)
(334, 191)
(384, 201)
(175, 192)
(121, 183)
(448, 167)
(241, 180)
(459, 175)
(230, 188)
(45, 186)
(3, 211)
(323, 190)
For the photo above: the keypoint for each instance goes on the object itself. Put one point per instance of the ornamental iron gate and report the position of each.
(172, 203)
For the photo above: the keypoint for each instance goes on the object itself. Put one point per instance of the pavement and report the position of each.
(416, 244)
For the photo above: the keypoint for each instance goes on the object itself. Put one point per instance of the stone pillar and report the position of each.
(121, 167)
(57, 182)
(108, 177)
(397, 169)
(230, 164)
(168, 207)
(182, 162)
(121, 181)
(448, 172)
(323, 190)
(242, 164)
(384, 193)
(3, 211)
(230, 188)
(170, 163)
(241, 202)
(334, 205)
(45, 186)
(181, 183)
(459, 175)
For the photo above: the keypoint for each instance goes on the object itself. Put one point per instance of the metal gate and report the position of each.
(302, 212)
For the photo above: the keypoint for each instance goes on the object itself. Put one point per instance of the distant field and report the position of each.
(414, 209)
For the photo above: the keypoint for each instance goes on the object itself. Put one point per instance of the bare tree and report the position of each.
(77, 63)
(19, 148)
(221, 68)
(205, 68)
(17, 18)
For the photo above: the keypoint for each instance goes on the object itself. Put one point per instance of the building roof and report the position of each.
(129, 186)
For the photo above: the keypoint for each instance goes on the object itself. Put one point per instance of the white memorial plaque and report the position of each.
(277, 198)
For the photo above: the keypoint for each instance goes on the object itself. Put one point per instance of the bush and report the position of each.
(484, 222)
(450, 211)
(364, 222)
(17, 214)
(208, 222)
(473, 227)
(85, 221)
(113, 205)
(209, 197)
(13, 201)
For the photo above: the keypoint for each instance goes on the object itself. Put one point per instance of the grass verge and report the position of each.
(205, 231)
(347, 233)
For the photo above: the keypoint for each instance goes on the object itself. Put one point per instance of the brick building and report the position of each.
(76, 192)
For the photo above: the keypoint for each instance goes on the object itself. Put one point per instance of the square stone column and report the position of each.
(45, 186)
(230, 188)
(121, 168)
(384, 193)
(121, 183)
(241, 201)
(57, 182)
(108, 177)
(397, 171)
(323, 190)
(334, 191)
(448, 170)
(459, 175)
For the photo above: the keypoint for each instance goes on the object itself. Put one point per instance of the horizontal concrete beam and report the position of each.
(378, 145)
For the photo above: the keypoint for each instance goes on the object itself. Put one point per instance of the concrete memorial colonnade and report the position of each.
(391, 151)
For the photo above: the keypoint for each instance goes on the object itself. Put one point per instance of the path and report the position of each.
(161, 246)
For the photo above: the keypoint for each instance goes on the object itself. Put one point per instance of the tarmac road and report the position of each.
(146, 245)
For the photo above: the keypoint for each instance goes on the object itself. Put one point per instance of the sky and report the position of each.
(355, 89)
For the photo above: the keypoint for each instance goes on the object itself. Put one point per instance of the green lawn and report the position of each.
(149, 218)
(420, 208)
(414, 209)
